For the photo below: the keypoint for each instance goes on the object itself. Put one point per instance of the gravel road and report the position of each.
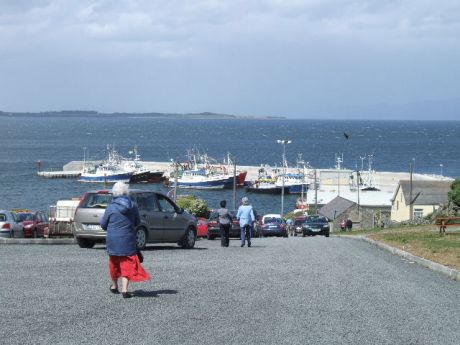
(280, 291)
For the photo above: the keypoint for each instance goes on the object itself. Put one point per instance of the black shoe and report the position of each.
(127, 294)
(242, 245)
(249, 244)
(114, 290)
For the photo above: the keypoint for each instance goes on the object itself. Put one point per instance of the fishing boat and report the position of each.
(201, 172)
(140, 173)
(200, 179)
(105, 173)
(265, 187)
(266, 182)
(294, 183)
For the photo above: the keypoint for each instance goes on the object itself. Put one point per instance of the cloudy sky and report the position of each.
(293, 58)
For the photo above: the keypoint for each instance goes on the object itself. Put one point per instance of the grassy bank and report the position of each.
(423, 241)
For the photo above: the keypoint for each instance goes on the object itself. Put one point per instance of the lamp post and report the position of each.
(284, 143)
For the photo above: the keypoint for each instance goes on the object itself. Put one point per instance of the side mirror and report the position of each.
(179, 210)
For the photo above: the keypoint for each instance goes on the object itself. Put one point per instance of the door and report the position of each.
(173, 223)
(150, 215)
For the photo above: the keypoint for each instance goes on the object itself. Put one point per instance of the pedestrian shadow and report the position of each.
(157, 293)
(152, 248)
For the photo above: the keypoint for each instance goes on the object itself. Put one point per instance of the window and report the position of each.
(165, 204)
(418, 213)
(147, 202)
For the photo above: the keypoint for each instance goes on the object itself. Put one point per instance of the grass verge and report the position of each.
(423, 241)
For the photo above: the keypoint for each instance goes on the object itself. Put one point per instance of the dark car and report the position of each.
(315, 225)
(273, 225)
(214, 228)
(298, 225)
(162, 221)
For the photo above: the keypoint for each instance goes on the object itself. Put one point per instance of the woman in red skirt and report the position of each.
(120, 220)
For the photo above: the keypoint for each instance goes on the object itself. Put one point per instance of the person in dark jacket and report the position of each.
(225, 223)
(120, 220)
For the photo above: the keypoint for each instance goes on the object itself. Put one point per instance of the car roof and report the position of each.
(273, 215)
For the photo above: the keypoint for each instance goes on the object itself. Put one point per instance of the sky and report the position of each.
(357, 59)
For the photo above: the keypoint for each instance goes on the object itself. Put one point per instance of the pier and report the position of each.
(59, 174)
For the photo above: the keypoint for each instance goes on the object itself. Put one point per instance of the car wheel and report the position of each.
(141, 238)
(210, 237)
(34, 233)
(189, 239)
(85, 243)
(327, 234)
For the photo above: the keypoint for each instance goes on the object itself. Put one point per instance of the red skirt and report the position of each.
(129, 267)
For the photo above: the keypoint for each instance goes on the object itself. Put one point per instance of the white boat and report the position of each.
(108, 171)
(200, 179)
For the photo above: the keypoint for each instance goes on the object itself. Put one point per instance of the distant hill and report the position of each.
(90, 113)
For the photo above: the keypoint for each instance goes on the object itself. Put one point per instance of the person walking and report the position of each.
(225, 223)
(349, 224)
(120, 220)
(246, 218)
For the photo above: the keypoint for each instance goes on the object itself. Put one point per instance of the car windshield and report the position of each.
(25, 217)
(316, 219)
(94, 200)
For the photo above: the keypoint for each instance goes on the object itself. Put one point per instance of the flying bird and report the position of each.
(346, 135)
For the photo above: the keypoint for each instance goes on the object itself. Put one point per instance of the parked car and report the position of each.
(298, 225)
(202, 227)
(315, 225)
(273, 225)
(162, 221)
(214, 228)
(9, 225)
(35, 223)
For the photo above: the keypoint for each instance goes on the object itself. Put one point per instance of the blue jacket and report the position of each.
(120, 220)
(245, 215)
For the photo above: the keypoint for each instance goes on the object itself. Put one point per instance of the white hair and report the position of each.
(245, 200)
(120, 188)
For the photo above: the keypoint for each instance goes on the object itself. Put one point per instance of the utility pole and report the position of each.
(316, 194)
(234, 182)
(283, 142)
(411, 206)
(357, 178)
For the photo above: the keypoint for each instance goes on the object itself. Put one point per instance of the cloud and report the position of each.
(183, 28)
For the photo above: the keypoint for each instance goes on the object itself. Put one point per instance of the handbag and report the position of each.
(140, 256)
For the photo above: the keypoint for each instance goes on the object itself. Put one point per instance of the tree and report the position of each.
(196, 206)
(454, 194)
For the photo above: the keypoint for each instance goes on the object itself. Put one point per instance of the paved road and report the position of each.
(281, 291)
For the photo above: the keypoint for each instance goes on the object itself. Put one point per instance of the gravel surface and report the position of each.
(280, 291)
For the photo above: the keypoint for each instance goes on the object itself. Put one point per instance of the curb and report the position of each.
(37, 241)
(450, 272)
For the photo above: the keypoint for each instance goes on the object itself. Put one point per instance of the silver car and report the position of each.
(10, 225)
(162, 221)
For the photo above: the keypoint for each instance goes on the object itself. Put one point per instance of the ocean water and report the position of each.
(432, 146)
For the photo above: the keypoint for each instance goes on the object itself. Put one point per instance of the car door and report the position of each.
(173, 223)
(150, 215)
(41, 224)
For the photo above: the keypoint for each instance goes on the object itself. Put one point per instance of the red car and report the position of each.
(35, 223)
(202, 227)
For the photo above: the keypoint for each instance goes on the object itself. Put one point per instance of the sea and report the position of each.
(431, 147)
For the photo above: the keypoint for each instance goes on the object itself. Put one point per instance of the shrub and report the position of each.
(454, 194)
(196, 206)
